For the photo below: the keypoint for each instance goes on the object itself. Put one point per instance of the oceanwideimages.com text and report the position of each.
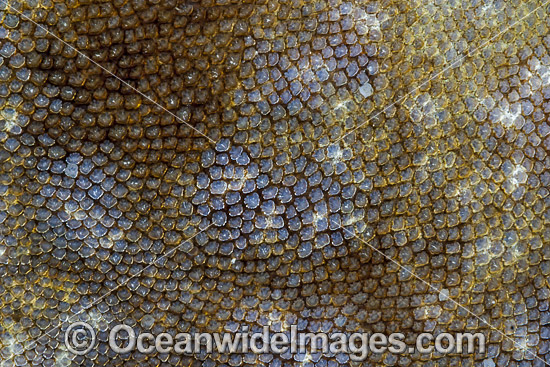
(80, 339)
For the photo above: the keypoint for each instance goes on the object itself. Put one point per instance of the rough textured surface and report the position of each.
(328, 126)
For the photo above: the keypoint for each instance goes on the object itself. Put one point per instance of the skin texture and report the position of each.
(370, 166)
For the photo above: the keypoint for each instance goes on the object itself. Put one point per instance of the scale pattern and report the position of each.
(417, 127)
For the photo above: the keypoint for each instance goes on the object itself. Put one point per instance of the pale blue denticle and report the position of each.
(219, 218)
(108, 183)
(294, 224)
(203, 210)
(44, 164)
(262, 181)
(261, 222)
(268, 207)
(284, 195)
(301, 187)
(349, 192)
(321, 208)
(83, 183)
(63, 193)
(42, 101)
(217, 203)
(216, 172)
(322, 240)
(202, 181)
(249, 186)
(253, 170)
(223, 145)
(218, 187)
(57, 167)
(7, 50)
(222, 159)
(232, 198)
(270, 192)
(334, 189)
(207, 158)
(315, 179)
(97, 176)
(87, 166)
(301, 204)
(243, 159)
(316, 195)
(510, 238)
(252, 201)
(277, 222)
(200, 197)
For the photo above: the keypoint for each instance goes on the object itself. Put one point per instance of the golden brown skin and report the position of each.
(417, 128)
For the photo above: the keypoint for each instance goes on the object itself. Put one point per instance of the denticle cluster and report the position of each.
(346, 166)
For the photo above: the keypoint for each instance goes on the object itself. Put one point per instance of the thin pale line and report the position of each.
(448, 297)
(108, 72)
(117, 287)
(452, 65)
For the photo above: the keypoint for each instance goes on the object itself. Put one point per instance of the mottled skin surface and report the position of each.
(418, 128)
